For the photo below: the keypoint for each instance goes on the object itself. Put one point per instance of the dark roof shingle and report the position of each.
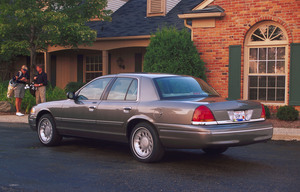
(131, 19)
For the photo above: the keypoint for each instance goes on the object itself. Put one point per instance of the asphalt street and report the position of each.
(90, 165)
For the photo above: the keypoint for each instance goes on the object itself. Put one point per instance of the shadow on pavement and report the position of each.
(228, 162)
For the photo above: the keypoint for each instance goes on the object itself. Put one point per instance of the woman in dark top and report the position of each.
(21, 78)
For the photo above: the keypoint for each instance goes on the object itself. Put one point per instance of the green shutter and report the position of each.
(80, 68)
(53, 70)
(234, 76)
(294, 74)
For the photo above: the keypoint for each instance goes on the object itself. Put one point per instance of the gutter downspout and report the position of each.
(190, 27)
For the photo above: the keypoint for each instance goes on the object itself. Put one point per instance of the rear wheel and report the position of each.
(47, 132)
(145, 144)
(215, 151)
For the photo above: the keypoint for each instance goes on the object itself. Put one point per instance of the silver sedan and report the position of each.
(152, 112)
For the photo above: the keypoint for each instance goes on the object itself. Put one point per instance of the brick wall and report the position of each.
(213, 43)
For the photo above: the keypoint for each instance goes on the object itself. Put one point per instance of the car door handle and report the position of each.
(92, 108)
(127, 108)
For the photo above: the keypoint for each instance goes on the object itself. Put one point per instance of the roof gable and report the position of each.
(203, 4)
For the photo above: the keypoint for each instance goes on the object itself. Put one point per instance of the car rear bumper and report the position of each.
(229, 135)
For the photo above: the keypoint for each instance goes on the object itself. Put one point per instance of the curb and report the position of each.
(286, 134)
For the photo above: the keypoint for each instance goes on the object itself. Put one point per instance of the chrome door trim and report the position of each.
(77, 120)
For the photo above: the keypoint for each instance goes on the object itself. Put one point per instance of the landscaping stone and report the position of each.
(5, 106)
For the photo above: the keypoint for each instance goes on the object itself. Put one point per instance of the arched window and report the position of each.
(265, 63)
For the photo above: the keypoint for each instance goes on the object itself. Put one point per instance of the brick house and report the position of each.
(251, 48)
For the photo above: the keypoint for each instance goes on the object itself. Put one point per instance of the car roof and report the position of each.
(147, 75)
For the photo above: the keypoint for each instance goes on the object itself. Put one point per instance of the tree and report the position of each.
(8, 53)
(172, 51)
(31, 26)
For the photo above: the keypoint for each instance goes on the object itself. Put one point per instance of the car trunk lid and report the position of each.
(237, 111)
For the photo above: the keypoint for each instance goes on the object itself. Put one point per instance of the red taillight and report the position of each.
(203, 114)
(263, 112)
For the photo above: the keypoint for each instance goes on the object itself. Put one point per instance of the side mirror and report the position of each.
(71, 95)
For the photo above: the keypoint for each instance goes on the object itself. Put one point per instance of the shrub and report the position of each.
(55, 94)
(73, 86)
(28, 101)
(3, 92)
(267, 110)
(172, 51)
(287, 113)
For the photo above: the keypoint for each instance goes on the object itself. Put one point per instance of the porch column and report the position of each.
(47, 67)
(105, 62)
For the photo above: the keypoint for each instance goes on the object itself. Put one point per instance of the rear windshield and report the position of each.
(181, 87)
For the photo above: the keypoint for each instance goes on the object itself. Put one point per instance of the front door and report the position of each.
(138, 62)
(81, 114)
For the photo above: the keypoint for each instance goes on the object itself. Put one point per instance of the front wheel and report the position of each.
(145, 144)
(215, 151)
(47, 132)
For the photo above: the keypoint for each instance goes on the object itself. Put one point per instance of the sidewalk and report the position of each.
(286, 134)
(13, 119)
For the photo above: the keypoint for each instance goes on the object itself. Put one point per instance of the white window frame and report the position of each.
(85, 64)
(265, 44)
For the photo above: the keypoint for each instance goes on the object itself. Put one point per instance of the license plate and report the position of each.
(239, 116)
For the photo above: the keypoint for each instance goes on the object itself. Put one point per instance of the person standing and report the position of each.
(21, 79)
(40, 82)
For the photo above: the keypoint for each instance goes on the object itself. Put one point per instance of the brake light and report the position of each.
(203, 114)
(263, 112)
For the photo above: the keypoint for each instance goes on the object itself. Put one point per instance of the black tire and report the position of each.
(215, 151)
(47, 132)
(145, 145)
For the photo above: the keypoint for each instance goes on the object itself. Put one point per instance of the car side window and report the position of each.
(132, 91)
(93, 90)
(123, 89)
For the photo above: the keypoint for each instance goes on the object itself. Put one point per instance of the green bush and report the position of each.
(287, 113)
(3, 91)
(55, 94)
(52, 94)
(172, 51)
(73, 86)
(267, 110)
